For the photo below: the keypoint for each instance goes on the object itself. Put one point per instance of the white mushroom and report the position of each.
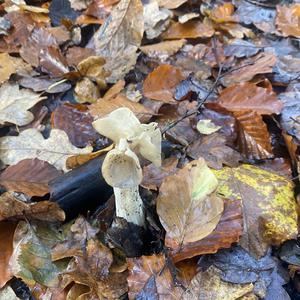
(121, 168)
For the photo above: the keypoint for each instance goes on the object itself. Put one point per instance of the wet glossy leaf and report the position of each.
(187, 206)
(248, 96)
(269, 206)
(29, 176)
(160, 84)
(31, 144)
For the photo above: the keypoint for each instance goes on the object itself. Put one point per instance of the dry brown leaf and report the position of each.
(153, 176)
(187, 206)
(163, 50)
(14, 104)
(248, 96)
(29, 176)
(223, 13)
(86, 91)
(30, 143)
(149, 276)
(78, 160)
(227, 232)
(119, 37)
(11, 207)
(254, 140)
(7, 230)
(103, 107)
(262, 63)
(192, 29)
(75, 55)
(76, 121)
(208, 285)
(160, 84)
(170, 4)
(287, 20)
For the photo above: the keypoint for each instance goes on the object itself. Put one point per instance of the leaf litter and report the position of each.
(211, 145)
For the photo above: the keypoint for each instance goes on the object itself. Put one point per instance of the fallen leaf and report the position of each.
(7, 67)
(227, 232)
(154, 176)
(239, 267)
(156, 19)
(241, 48)
(214, 150)
(86, 91)
(75, 55)
(254, 140)
(80, 4)
(248, 96)
(186, 17)
(103, 107)
(78, 160)
(270, 212)
(170, 4)
(192, 30)
(29, 176)
(76, 121)
(31, 144)
(262, 63)
(187, 206)
(163, 50)
(149, 276)
(208, 285)
(7, 293)
(14, 104)
(223, 13)
(7, 230)
(119, 37)
(287, 20)
(206, 126)
(31, 259)
(12, 207)
(160, 84)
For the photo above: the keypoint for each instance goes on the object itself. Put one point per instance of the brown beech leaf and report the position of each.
(287, 20)
(7, 230)
(76, 121)
(214, 150)
(75, 55)
(269, 206)
(261, 63)
(150, 276)
(227, 232)
(11, 207)
(223, 13)
(253, 136)
(163, 50)
(187, 206)
(29, 176)
(153, 176)
(160, 84)
(15, 103)
(86, 91)
(119, 37)
(191, 29)
(7, 67)
(248, 96)
(208, 285)
(105, 106)
(30, 143)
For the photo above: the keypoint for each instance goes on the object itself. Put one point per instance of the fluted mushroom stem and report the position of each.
(129, 205)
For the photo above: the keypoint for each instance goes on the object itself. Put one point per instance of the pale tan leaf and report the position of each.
(163, 50)
(14, 104)
(187, 206)
(7, 67)
(119, 37)
(170, 4)
(31, 144)
(7, 293)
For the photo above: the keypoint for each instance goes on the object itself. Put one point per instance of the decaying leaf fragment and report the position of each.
(270, 212)
(187, 206)
(14, 104)
(30, 143)
(119, 38)
(31, 260)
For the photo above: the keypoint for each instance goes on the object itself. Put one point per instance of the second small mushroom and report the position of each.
(121, 167)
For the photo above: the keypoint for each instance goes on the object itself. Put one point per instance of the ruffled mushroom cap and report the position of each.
(142, 138)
